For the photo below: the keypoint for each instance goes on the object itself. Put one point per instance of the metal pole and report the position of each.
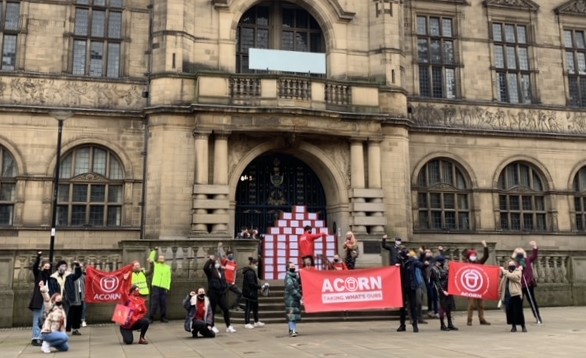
(55, 191)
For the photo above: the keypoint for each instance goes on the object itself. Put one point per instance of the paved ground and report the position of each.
(562, 335)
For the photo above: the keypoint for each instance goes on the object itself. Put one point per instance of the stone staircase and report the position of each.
(272, 310)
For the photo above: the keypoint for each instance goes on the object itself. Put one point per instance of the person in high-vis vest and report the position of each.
(230, 267)
(161, 284)
(139, 278)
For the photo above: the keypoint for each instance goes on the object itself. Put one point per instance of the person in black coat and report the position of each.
(41, 272)
(250, 289)
(394, 250)
(62, 282)
(217, 289)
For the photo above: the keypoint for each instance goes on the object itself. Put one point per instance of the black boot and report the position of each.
(514, 329)
(451, 326)
(402, 328)
(443, 325)
(415, 328)
(524, 329)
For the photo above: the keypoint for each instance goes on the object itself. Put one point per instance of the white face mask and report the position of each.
(473, 258)
(217, 266)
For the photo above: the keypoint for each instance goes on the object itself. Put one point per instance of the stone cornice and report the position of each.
(573, 8)
(513, 4)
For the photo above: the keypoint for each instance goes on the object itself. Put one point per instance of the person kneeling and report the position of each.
(202, 315)
(53, 330)
(138, 319)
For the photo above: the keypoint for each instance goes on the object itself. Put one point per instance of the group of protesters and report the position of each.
(58, 298)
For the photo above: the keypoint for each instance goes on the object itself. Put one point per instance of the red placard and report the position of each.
(474, 281)
(351, 290)
(121, 315)
(105, 287)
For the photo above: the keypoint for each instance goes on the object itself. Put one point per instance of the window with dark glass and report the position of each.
(575, 49)
(91, 188)
(511, 55)
(9, 29)
(436, 57)
(580, 199)
(7, 187)
(443, 197)
(521, 199)
(97, 38)
(277, 25)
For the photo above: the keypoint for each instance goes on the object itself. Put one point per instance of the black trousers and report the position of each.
(202, 328)
(238, 292)
(529, 293)
(409, 303)
(74, 318)
(158, 300)
(219, 298)
(127, 333)
(251, 305)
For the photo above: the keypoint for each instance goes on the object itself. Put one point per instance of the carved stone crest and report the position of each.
(574, 8)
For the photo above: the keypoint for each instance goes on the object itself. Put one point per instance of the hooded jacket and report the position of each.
(36, 302)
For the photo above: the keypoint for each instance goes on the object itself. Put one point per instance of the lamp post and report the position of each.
(60, 116)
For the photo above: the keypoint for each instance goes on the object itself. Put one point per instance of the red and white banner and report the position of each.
(105, 287)
(351, 290)
(474, 281)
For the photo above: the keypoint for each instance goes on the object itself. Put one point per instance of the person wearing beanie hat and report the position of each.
(471, 256)
(62, 282)
(439, 274)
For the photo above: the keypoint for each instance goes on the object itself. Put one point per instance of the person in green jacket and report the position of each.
(292, 299)
(160, 285)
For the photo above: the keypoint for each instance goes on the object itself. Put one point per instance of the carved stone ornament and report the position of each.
(515, 4)
(499, 119)
(574, 8)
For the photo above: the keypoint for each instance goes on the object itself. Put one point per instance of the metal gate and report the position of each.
(274, 183)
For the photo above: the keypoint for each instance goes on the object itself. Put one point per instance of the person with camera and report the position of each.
(137, 318)
(202, 317)
(217, 290)
(41, 271)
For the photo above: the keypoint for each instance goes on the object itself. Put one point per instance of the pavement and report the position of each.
(563, 334)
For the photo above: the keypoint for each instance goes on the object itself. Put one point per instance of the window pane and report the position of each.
(503, 202)
(521, 35)
(433, 170)
(513, 88)
(447, 27)
(497, 34)
(262, 38)
(66, 167)
(464, 221)
(114, 216)
(424, 82)
(100, 2)
(580, 39)
(301, 42)
(7, 192)
(6, 214)
(515, 221)
(115, 194)
(527, 203)
(288, 18)
(526, 88)
(287, 41)
(421, 25)
(115, 25)
(581, 59)
(9, 53)
(96, 59)
(523, 58)
(98, 194)
(82, 161)
(12, 16)
(578, 204)
(79, 193)
(450, 83)
(116, 171)
(99, 161)
(78, 215)
(63, 193)
(81, 22)
(509, 33)
(579, 222)
(316, 41)
(78, 57)
(434, 26)
(422, 200)
(462, 201)
(116, 3)
(8, 165)
(62, 214)
(98, 23)
(113, 60)
(96, 216)
(449, 52)
(449, 201)
(539, 203)
(435, 200)
(511, 58)
(424, 220)
(302, 20)
(436, 51)
(570, 65)
(436, 73)
(423, 51)
(540, 222)
(528, 221)
(568, 39)
(514, 202)
(499, 57)
(504, 221)
(450, 218)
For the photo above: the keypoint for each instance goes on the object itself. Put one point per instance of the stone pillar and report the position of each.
(201, 171)
(220, 174)
(374, 179)
(357, 180)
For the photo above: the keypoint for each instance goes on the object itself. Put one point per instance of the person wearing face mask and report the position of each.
(511, 293)
(161, 284)
(292, 299)
(139, 278)
(439, 275)
(250, 289)
(62, 282)
(230, 268)
(53, 330)
(432, 298)
(307, 246)
(528, 281)
(472, 257)
(202, 318)
(394, 250)
(217, 290)
(137, 321)
(75, 296)
(41, 272)
(336, 264)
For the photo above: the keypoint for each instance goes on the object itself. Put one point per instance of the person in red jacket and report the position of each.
(230, 268)
(137, 319)
(307, 246)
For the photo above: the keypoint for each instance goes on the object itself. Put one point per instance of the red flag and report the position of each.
(105, 287)
(351, 290)
(474, 281)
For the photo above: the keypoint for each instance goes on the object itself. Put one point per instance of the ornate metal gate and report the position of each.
(274, 183)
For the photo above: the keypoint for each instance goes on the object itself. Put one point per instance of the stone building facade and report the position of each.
(439, 121)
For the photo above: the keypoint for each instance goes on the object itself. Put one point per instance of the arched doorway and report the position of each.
(273, 183)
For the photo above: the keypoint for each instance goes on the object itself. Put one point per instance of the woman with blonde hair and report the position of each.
(528, 281)
(511, 295)
(351, 247)
(53, 330)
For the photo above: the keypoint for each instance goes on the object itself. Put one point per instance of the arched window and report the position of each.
(91, 188)
(277, 25)
(521, 198)
(443, 197)
(580, 199)
(7, 186)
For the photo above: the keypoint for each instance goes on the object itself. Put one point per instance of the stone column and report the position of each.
(201, 170)
(357, 179)
(375, 179)
(220, 174)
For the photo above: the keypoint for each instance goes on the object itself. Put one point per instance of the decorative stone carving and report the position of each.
(516, 4)
(42, 91)
(574, 8)
(494, 118)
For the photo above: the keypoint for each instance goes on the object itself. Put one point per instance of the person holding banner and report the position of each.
(439, 274)
(472, 257)
(528, 280)
(511, 293)
(137, 318)
(292, 299)
(307, 246)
